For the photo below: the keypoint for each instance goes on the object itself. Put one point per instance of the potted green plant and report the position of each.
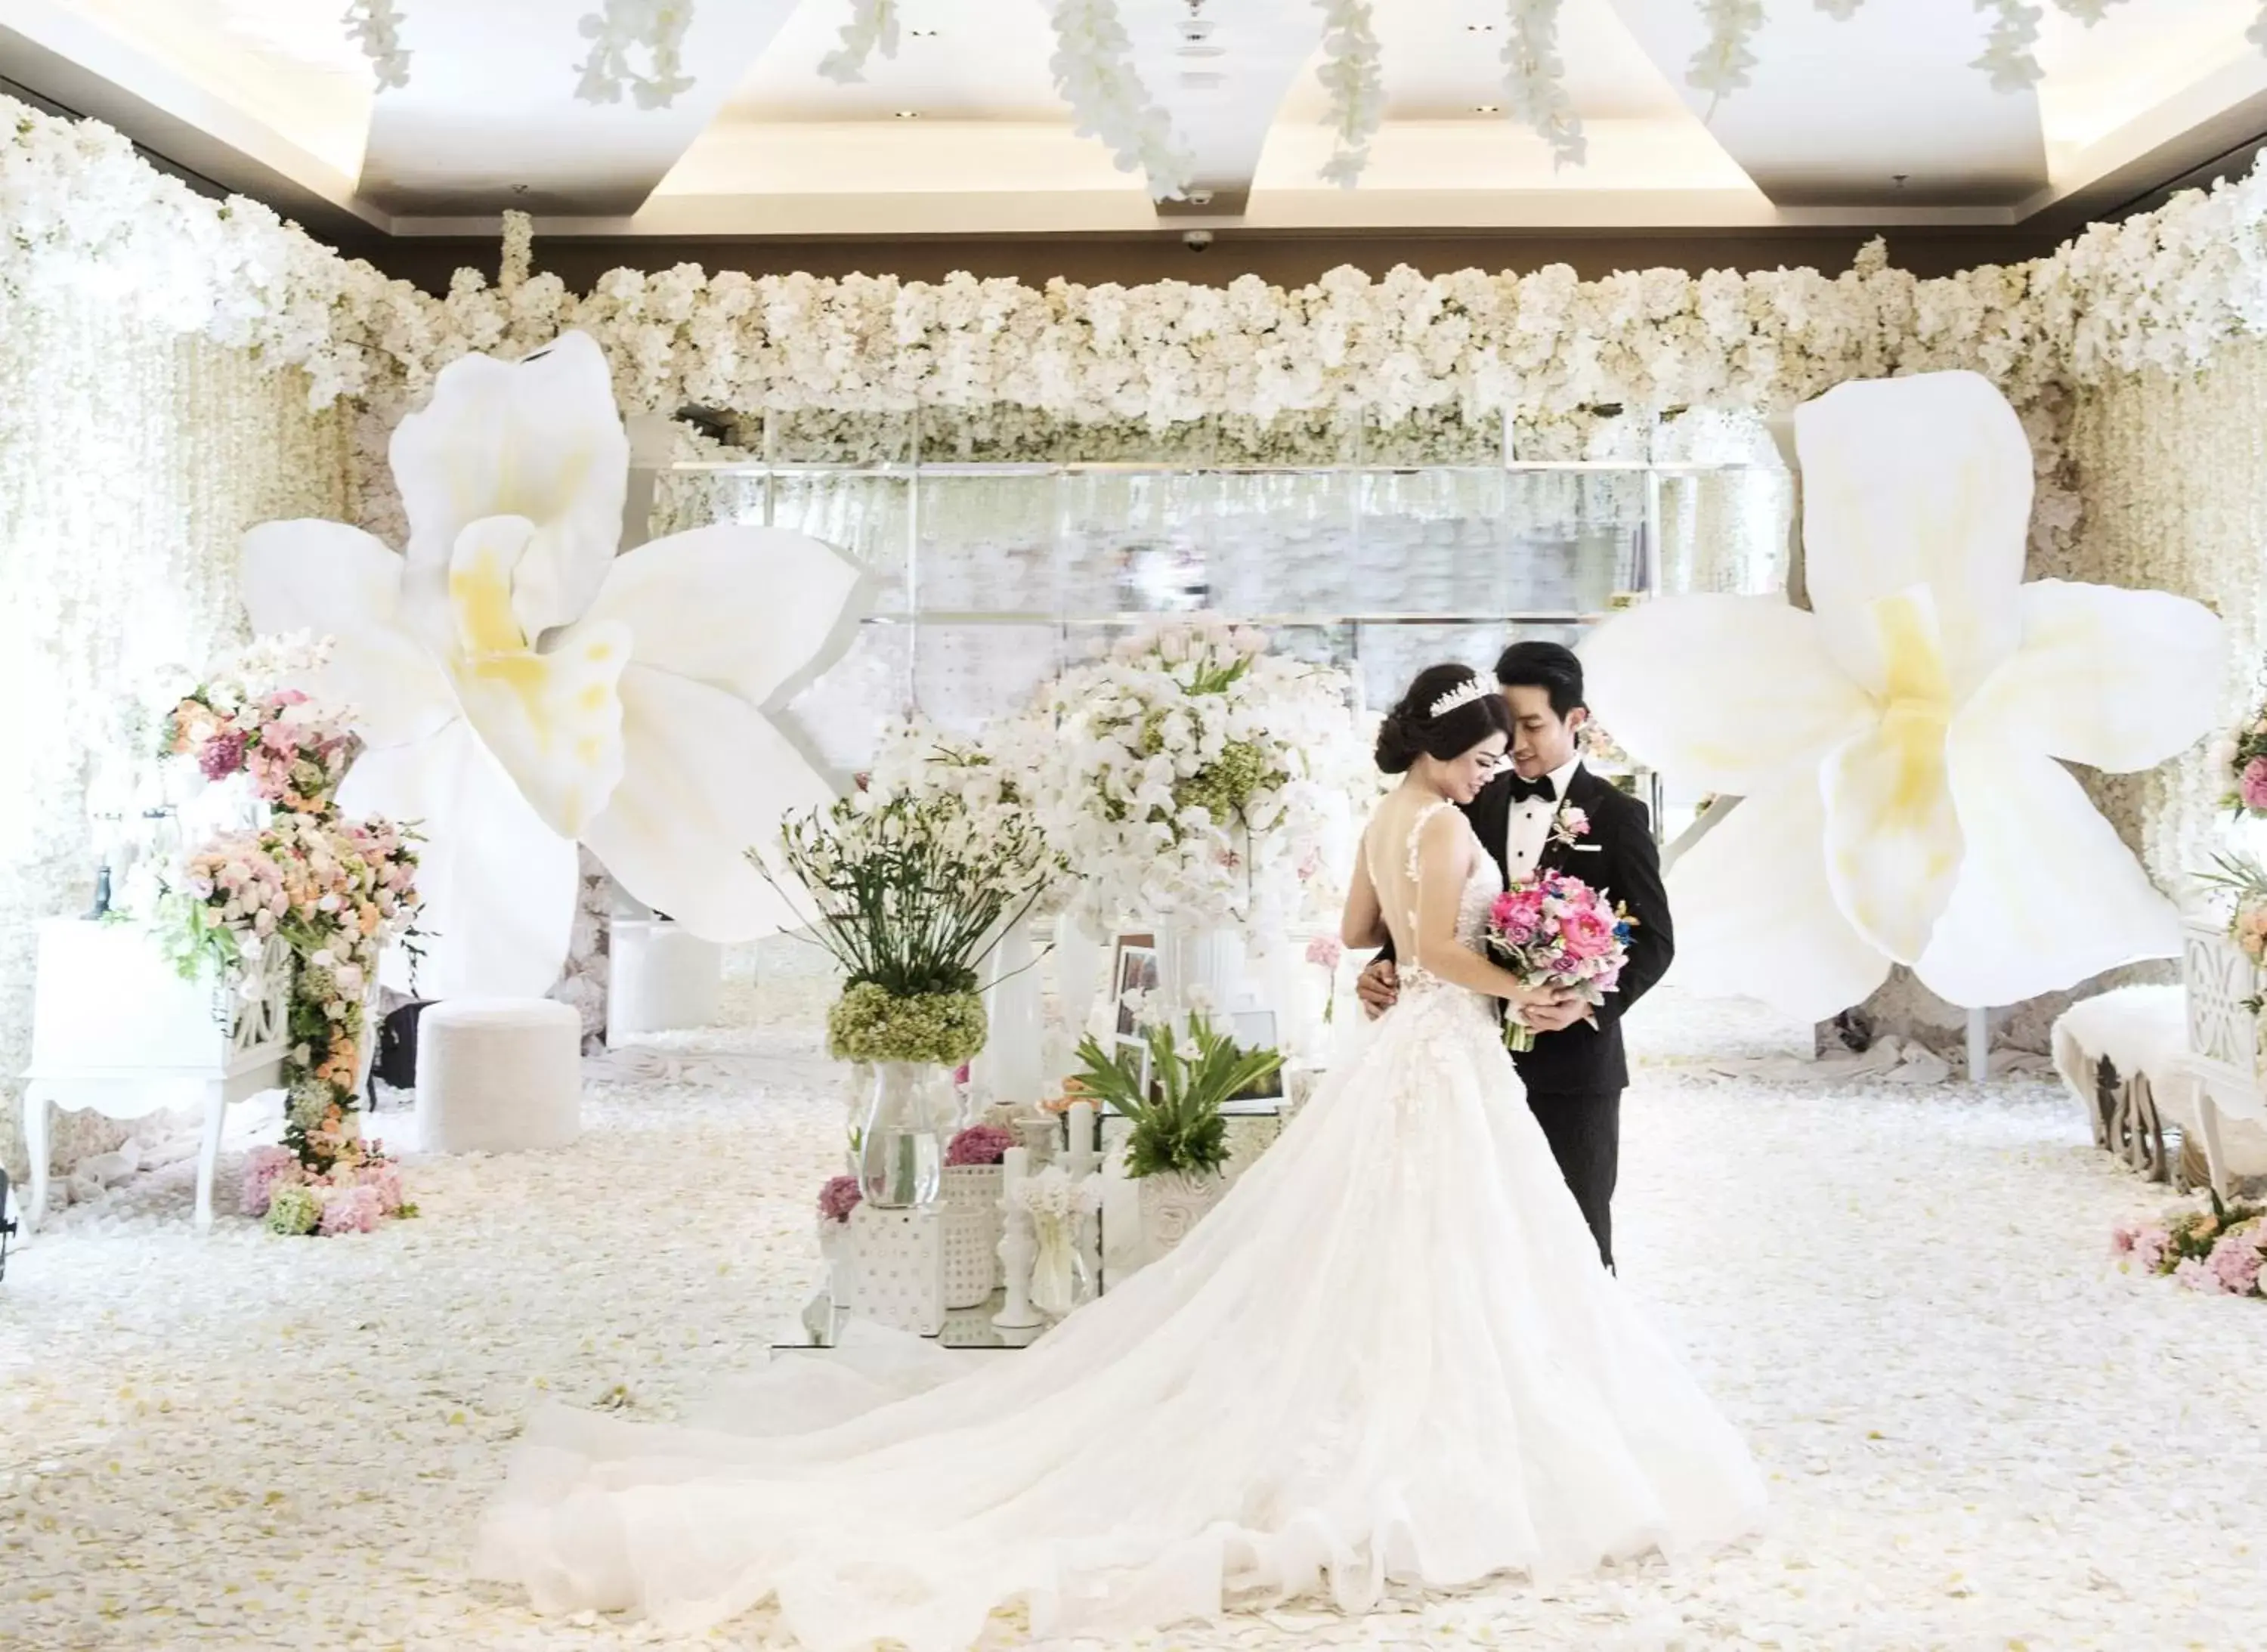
(1171, 1088)
(909, 898)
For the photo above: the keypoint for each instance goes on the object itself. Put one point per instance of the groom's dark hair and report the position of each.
(1545, 666)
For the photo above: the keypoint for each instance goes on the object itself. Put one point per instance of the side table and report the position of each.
(117, 1030)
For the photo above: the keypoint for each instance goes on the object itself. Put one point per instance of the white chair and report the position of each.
(498, 1076)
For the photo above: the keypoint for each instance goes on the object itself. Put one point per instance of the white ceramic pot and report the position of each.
(1173, 1202)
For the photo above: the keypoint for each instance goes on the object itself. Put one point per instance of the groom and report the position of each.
(1576, 1073)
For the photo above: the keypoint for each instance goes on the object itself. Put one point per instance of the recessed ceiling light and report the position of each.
(1488, 108)
(1479, 28)
(908, 115)
(922, 34)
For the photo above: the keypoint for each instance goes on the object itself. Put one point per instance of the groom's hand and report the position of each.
(1556, 1017)
(1378, 986)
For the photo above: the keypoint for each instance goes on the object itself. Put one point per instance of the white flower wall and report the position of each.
(131, 458)
(174, 369)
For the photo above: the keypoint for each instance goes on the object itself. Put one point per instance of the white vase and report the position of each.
(1008, 1069)
(972, 1232)
(1081, 959)
(1173, 1202)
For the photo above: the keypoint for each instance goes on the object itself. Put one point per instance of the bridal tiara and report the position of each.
(1463, 693)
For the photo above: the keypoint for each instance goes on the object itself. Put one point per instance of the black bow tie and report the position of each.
(1525, 790)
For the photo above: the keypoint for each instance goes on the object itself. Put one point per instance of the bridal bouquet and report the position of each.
(1555, 930)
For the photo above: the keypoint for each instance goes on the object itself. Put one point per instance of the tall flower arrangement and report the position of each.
(333, 890)
(1193, 775)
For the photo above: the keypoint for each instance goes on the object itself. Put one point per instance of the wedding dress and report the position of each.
(1390, 1355)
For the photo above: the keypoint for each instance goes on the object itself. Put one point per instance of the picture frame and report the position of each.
(1255, 1029)
(1132, 968)
(1135, 1046)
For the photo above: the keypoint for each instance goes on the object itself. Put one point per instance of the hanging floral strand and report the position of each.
(375, 26)
(1093, 65)
(873, 26)
(1352, 75)
(1532, 72)
(2008, 51)
(659, 27)
(1720, 67)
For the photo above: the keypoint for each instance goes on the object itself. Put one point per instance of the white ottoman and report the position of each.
(498, 1075)
(660, 976)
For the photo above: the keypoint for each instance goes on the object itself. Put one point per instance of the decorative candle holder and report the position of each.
(1018, 1248)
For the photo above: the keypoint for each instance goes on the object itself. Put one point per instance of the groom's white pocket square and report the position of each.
(1589, 848)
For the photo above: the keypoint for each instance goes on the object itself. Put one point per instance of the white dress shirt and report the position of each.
(1529, 829)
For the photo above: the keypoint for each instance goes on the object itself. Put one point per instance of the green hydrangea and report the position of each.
(1223, 787)
(868, 1024)
(293, 1210)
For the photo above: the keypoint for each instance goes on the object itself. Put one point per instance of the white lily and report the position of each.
(1896, 749)
(521, 686)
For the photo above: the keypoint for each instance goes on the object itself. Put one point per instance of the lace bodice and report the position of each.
(1397, 889)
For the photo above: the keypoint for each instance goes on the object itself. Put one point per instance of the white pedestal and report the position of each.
(660, 976)
(115, 1029)
(2224, 1067)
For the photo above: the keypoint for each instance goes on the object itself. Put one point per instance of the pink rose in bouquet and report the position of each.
(1555, 930)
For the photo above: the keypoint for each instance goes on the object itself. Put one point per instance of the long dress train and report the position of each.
(1389, 1355)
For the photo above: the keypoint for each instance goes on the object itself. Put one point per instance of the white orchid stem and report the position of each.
(1093, 66)
(1534, 92)
(375, 26)
(872, 27)
(1352, 76)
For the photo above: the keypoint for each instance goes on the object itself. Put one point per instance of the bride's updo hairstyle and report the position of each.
(1410, 731)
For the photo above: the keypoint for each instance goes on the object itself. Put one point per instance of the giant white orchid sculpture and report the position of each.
(1896, 749)
(522, 687)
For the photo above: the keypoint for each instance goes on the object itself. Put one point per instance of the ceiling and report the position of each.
(1878, 120)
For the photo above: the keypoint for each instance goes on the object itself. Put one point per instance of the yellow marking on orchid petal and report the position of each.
(595, 697)
(1916, 705)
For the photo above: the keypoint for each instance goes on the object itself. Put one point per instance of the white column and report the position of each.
(1979, 1046)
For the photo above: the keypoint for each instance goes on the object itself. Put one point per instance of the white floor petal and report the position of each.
(1977, 1435)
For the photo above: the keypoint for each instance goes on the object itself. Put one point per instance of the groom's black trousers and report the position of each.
(1585, 1133)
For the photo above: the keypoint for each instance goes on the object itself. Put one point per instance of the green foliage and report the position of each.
(1177, 1124)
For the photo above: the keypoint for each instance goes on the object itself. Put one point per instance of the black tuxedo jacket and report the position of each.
(1619, 856)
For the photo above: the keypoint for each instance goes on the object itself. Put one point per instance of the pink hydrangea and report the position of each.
(383, 1178)
(265, 1170)
(2235, 1262)
(980, 1145)
(838, 1199)
(353, 1209)
(2196, 1276)
(2253, 785)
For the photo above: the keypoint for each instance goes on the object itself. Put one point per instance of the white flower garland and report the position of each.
(1352, 73)
(1533, 94)
(2008, 55)
(1093, 65)
(873, 26)
(375, 26)
(1720, 67)
(622, 27)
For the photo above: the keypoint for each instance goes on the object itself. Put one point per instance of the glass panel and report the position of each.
(988, 544)
(1389, 657)
(839, 718)
(864, 516)
(964, 676)
(1576, 538)
(1135, 542)
(1726, 530)
(1283, 543)
(1432, 541)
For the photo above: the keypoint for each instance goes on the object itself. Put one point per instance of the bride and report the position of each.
(1390, 1355)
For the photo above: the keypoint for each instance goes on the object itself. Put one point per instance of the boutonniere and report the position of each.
(1569, 823)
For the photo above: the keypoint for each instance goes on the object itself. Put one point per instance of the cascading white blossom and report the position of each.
(2009, 54)
(1354, 78)
(1533, 93)
(872, 27)
(622, 27)
(375, 26)
(1093, 69)
(1721, 65)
